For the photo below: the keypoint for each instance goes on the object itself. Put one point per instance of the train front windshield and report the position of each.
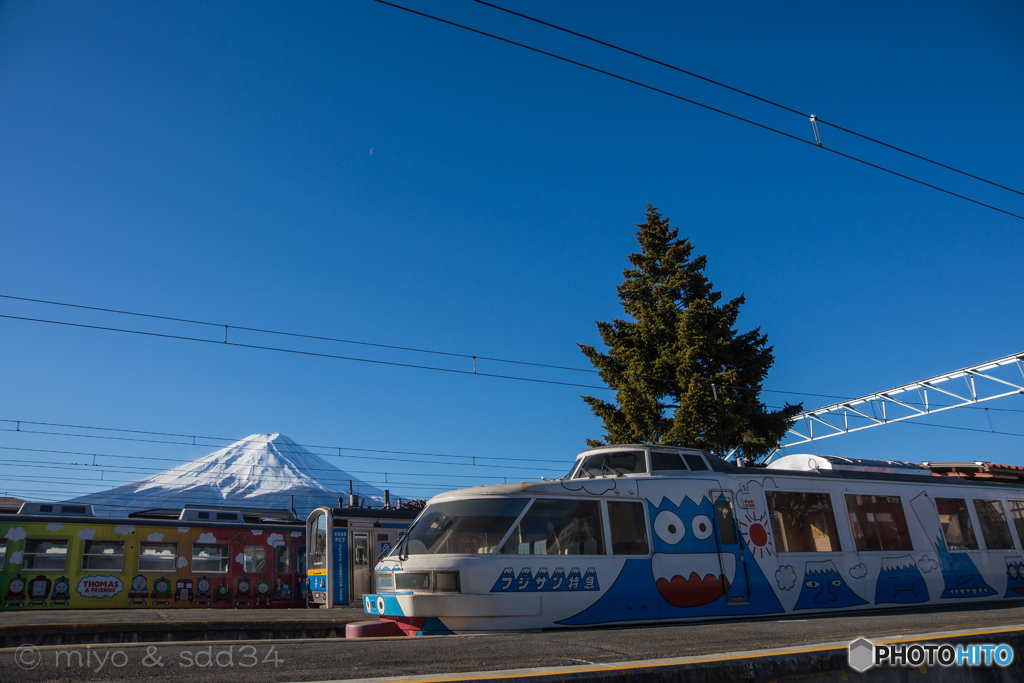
(460, 527)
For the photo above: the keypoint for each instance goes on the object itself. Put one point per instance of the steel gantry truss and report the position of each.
(965, 387)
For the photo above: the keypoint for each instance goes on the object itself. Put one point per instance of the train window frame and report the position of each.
(959, 547)
(987, 532)
(26, 564)
(607, 470)
(1017, 517)
(94, 561)
(598, 537)
(285, 550)
(300, 559)
(870, 517)
(609, 528)
(830, 532)
(699, 459)
(404, 547)
(668, 471)
(249, 559)
(223, 559)
(173, 560)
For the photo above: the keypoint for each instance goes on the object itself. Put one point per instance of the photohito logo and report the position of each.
(864, 654)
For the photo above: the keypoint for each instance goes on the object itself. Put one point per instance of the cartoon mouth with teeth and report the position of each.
(689, 579)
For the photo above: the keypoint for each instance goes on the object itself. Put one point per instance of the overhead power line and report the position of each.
(468, 459)
(284, 333)
(746, 94)
(699, 104)
(300, 352)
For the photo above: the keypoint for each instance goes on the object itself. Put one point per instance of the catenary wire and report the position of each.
(696, 103)
(746, 94)
(302, 353)
(301, 335)
(333, 455)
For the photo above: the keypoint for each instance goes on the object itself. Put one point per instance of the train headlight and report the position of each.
(412, 581)
(446, 582)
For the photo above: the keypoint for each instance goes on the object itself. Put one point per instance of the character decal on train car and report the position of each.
(203, 595)
(139, 590)
(61, 591)
(824, 588)
(161, 591)
(1014, 577)
(183, 591)
(243, 591)
(38, 590)
(961, 576)
(687, 576)
(263, 591)
(752, 517)
(15, 592)
(222, 593)
(900, 581)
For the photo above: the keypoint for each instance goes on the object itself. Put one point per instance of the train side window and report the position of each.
(726, 522)
(695, 462)
(282, 559)
(300, 557)
(878, 523)
(207, 557)
(629, 528)
(45, 555)
(1017, 515)
(558, 527)
(360, 550)
(320, 535)
(254, 559)
(994, 529)
(956, 524)
(613, 464)
(3, 554)
(158, 557)
(667, 462)
(803, 522)
(103, 556)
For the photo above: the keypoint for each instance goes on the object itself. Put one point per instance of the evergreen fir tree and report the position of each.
(682, 373)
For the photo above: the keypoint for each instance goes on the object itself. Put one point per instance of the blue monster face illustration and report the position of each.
(687, 567)
(900, 581)
(824, 588)
(1014, 577)
(963, 580)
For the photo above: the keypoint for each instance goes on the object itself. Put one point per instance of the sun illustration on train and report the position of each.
(756, 534)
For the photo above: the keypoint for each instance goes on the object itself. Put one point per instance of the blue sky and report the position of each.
(350, 170)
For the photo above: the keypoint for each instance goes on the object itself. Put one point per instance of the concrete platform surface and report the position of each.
(71, 627)
(807, 650)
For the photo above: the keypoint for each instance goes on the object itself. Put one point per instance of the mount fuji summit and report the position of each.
(260, 471)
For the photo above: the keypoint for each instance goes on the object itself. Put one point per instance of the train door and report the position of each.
(730, 552)
(361, 569)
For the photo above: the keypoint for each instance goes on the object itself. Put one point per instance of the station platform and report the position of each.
(74, 627)
(268, 647)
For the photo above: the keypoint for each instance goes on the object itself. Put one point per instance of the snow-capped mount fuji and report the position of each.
(262, 470)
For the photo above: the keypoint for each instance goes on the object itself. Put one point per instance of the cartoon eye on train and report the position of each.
(639, 534)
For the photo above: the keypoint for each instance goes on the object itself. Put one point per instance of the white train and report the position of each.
(646, 534)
